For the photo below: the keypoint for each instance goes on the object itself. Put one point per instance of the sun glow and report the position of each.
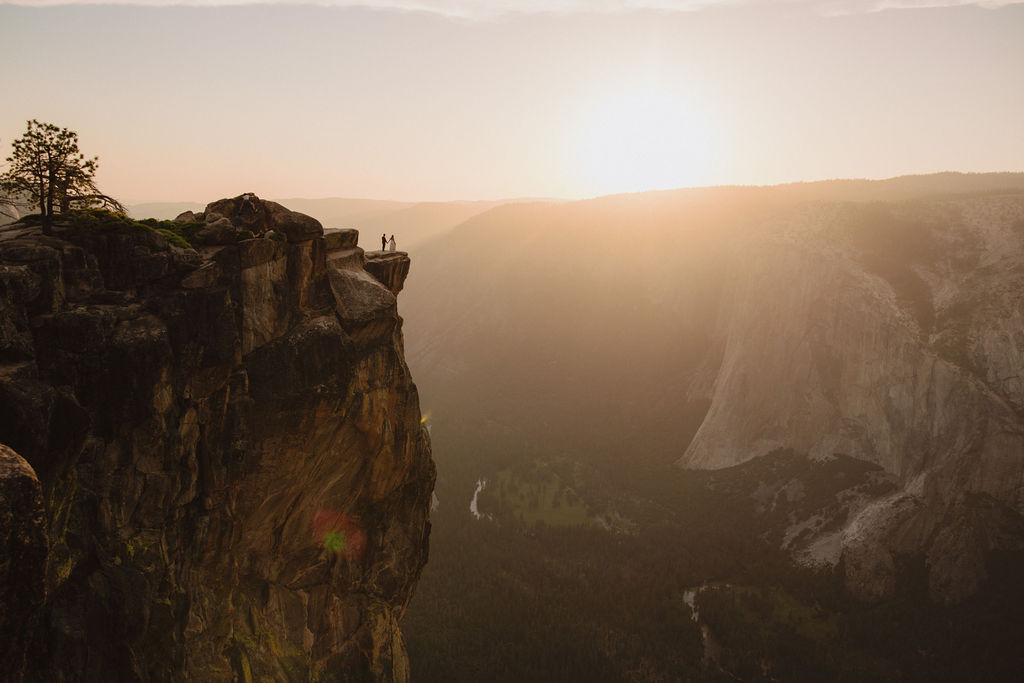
(644, 138)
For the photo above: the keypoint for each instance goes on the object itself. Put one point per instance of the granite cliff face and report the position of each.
(892, 333)
(235, 481)
(22, 558)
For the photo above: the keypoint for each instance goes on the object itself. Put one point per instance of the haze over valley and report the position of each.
(826, 347)
(692, 351)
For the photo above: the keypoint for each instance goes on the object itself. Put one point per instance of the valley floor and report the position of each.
(519, 595)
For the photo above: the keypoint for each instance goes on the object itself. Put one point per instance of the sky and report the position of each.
(464, 99)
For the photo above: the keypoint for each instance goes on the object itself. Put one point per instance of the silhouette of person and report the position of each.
(384, 242)
(391, 243)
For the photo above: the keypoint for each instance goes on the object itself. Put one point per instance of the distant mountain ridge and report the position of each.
(878, 319)
(416, 223)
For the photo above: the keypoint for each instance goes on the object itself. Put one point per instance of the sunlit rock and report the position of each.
(389, 267)
(237, 482)
(893, 337)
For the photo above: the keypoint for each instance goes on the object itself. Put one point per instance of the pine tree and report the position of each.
(47, 168)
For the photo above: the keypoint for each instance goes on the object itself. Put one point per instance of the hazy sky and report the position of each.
(463, 99)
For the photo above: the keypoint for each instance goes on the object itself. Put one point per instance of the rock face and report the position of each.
(22, 560)
(893, 334)
(229, 221)
(235, 476)
(390, 267)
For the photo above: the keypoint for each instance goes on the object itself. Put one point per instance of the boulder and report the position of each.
(296, 227)
(246, 216)
(340, 238)
(389, 267)
(367, 310)
(220, 230)
(246, 212)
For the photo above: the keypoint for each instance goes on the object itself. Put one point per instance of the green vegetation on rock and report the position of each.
(103, 220)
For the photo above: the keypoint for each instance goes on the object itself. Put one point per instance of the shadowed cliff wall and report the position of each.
(235, 479)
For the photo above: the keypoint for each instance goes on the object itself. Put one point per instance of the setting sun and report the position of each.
(720, 304)
(644, 138)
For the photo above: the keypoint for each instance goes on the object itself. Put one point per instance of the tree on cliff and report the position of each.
(47, 168)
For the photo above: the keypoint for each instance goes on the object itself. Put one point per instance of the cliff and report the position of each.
(234, 478)
(892, 333)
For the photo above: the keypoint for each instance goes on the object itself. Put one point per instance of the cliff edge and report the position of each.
(893, 333)
(234, 479)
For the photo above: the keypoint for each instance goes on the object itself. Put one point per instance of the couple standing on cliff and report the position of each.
(387, 244)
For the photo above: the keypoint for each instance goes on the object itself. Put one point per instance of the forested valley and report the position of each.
(504, 599)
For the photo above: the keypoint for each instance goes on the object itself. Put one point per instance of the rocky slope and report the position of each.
(892, 333)
(235, 481)
(875, 319)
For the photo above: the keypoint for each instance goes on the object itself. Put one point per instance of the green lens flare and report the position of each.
(334, 541)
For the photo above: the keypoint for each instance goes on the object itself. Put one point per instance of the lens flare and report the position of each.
(338, 533)
(334, 541)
